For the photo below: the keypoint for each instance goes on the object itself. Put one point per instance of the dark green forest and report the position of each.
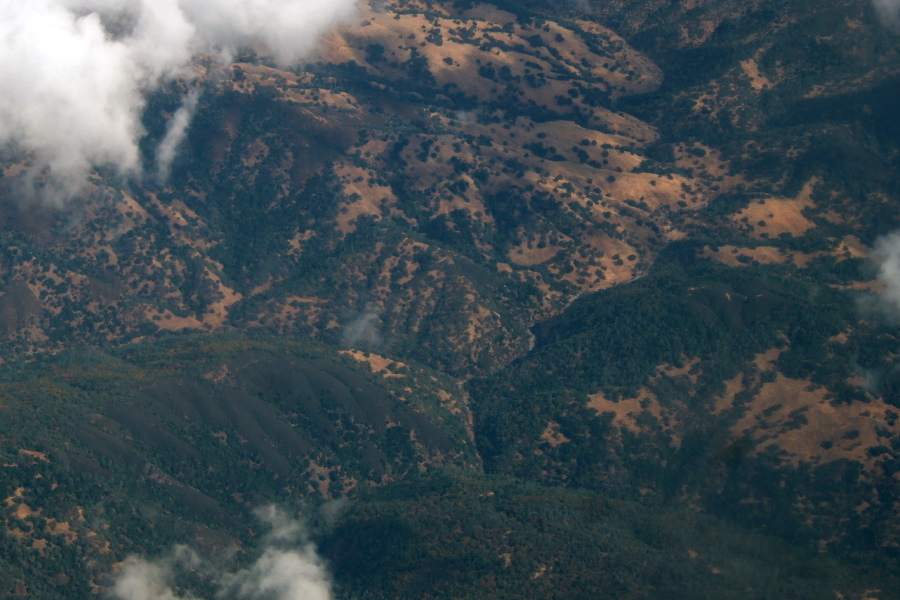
(445, 529)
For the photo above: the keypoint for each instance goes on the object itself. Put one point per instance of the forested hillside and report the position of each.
(512, 300)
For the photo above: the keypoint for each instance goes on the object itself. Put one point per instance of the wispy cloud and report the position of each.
(886, 256)
(140, 579)
(75, 74)
(889, 11)
(363, 331)
(289, 568)
(175, 134)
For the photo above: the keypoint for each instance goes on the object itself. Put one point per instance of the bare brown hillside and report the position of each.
(478, 150)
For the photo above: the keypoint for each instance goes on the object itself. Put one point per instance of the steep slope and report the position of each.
(109, 455)
(641, 227)
(738, 392)
(447, 175)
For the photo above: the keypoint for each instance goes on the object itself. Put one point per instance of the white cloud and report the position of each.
(288, 569)
(72, 90)
(887, 256)
(284, 575)
(139, 579)
(289, 29)
(363, 330)
(889, 11)
(175, 134)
